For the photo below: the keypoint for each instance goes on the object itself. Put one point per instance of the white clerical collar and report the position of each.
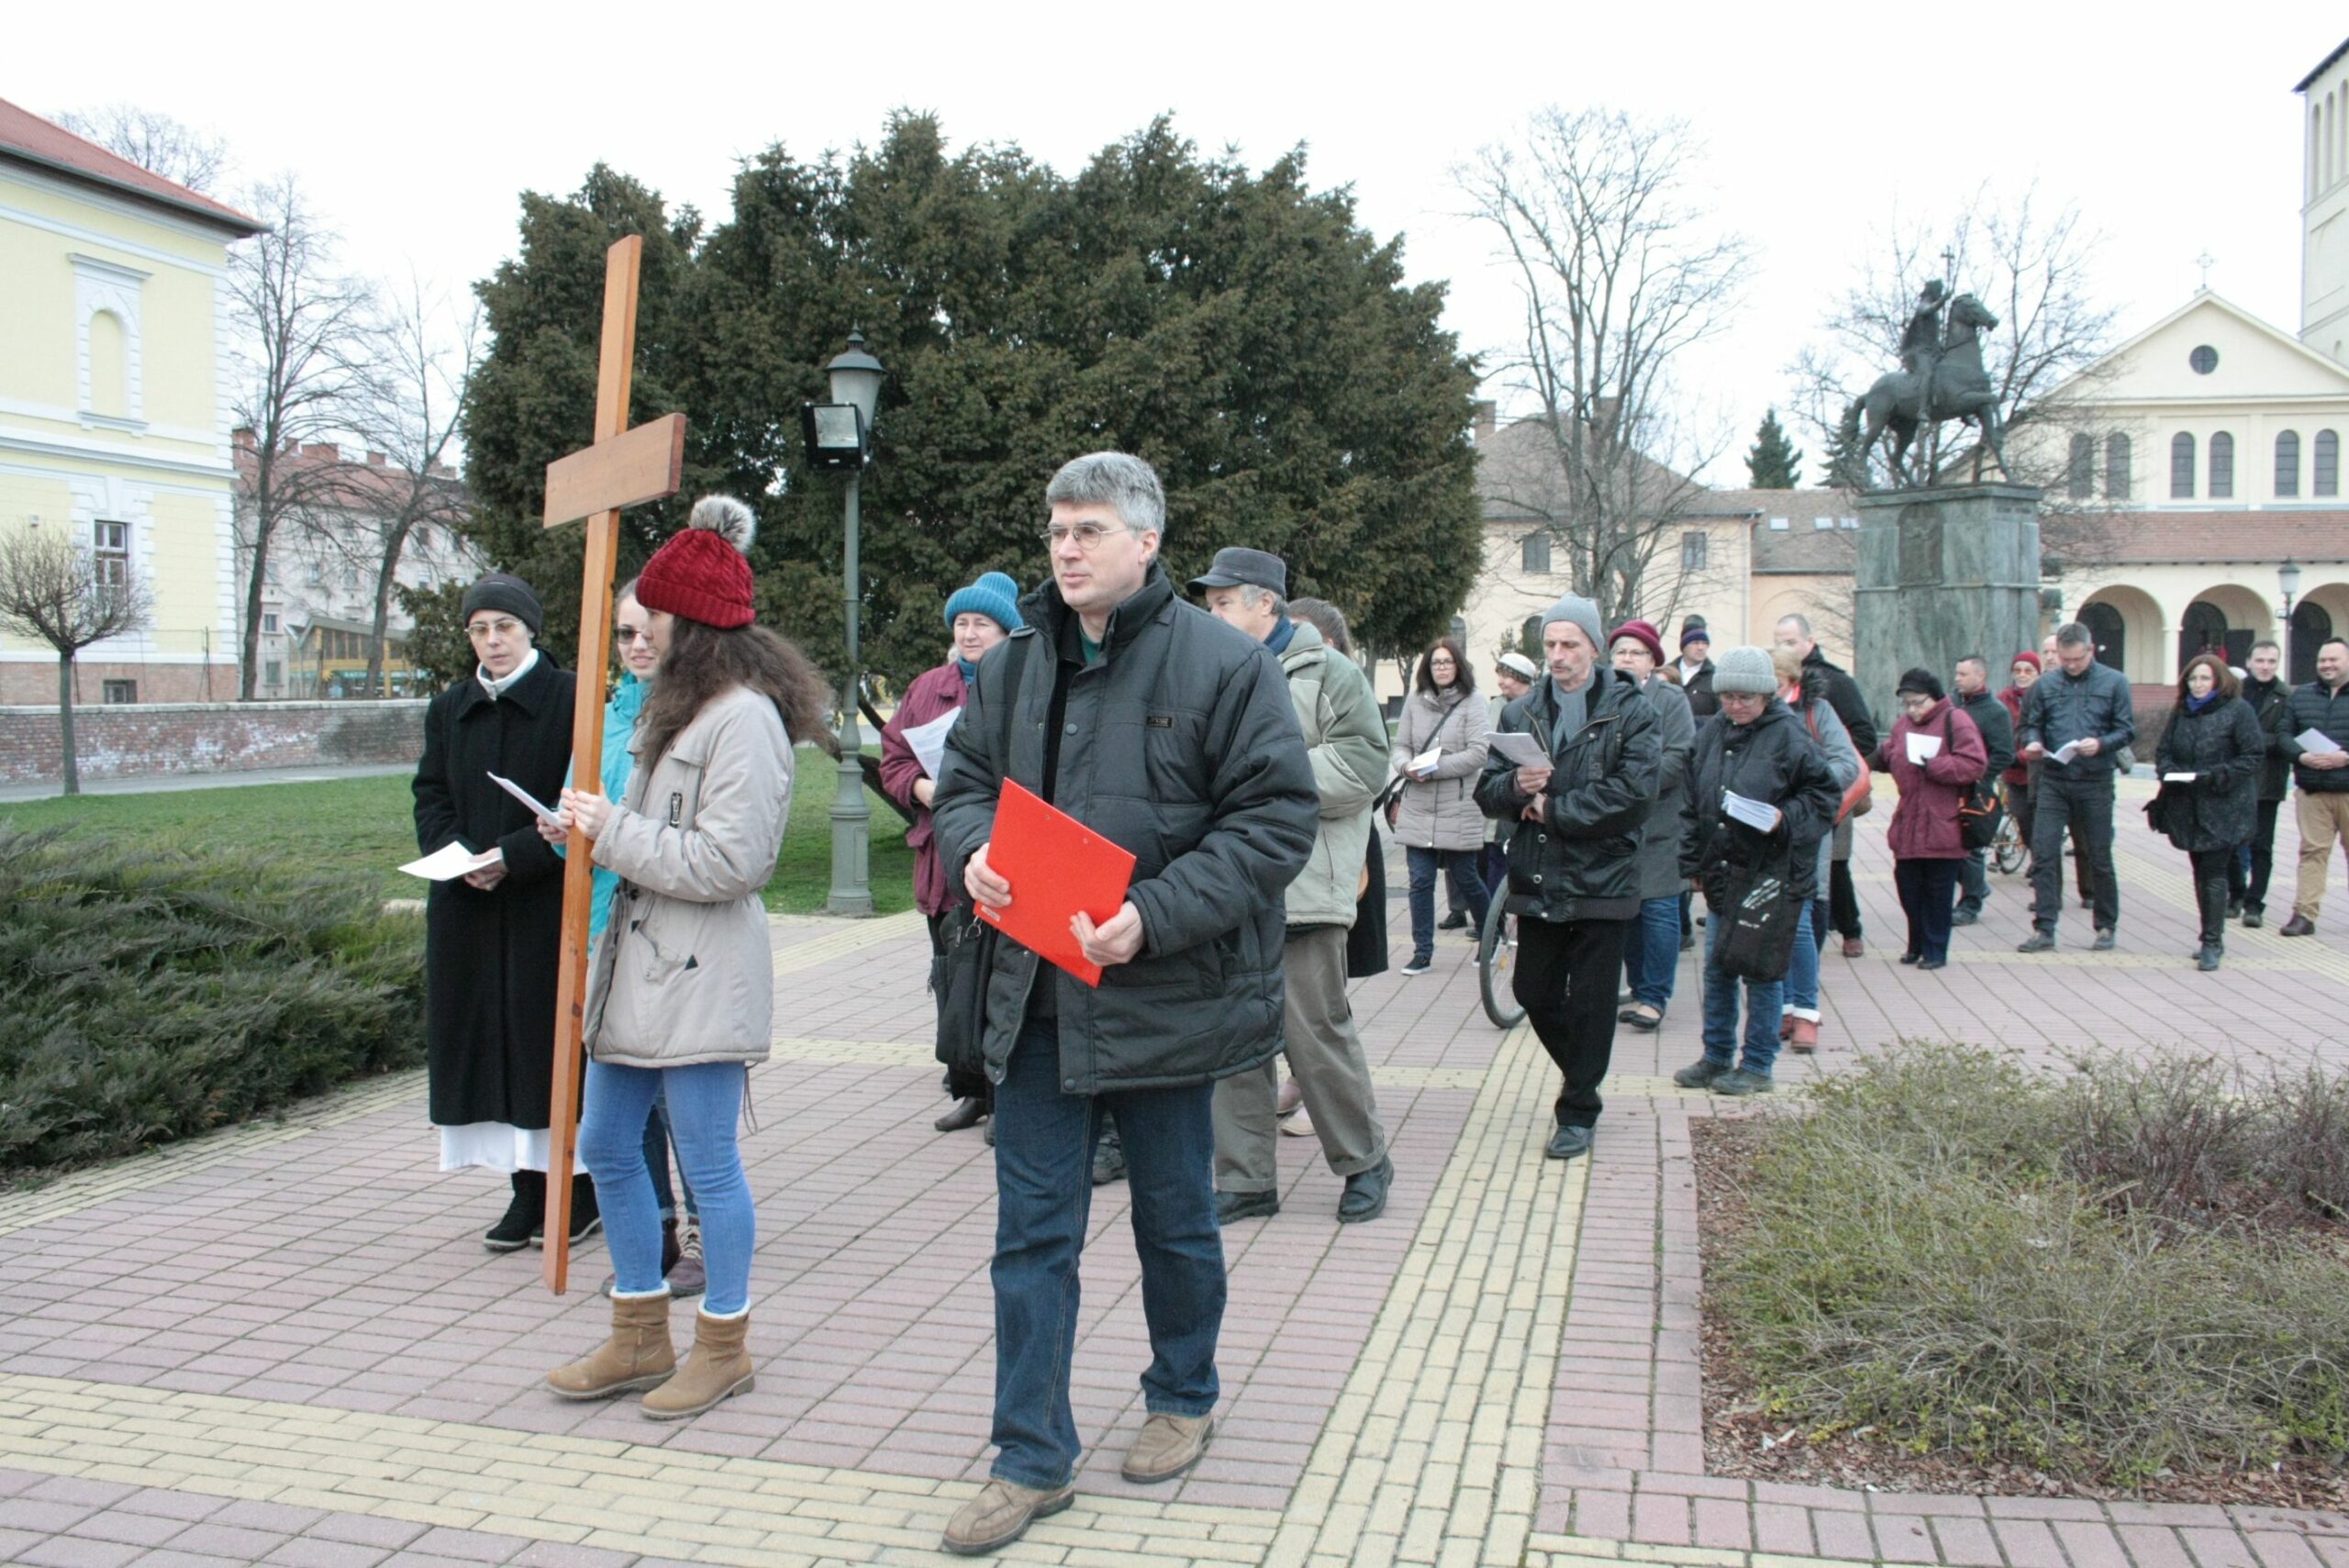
(498, 688)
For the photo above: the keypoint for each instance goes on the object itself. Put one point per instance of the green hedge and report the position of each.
(150, 991)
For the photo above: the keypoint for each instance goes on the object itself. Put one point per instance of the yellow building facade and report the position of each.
(115, 404)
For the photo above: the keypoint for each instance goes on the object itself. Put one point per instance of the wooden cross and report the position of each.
(622, 468)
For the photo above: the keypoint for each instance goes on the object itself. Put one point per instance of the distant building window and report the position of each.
(1459, 630)
(2116, 468)
(1847, 522)
(272, 673)
(1692, 550)
(2080, 477)
(2181, 467)
(2222, 466)
(1820, 523)
(1779, 524)
(2324, 475)
(110, 560)
(317, 573)
(2204, 359)
(119, 691)
(1536, 554)
(2287, 466)
(269, 621)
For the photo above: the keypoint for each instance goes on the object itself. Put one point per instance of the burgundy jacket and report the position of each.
(934, 692)
(2021, 773)
(1924, 825)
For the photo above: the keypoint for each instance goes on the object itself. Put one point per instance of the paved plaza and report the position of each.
(284, 1343)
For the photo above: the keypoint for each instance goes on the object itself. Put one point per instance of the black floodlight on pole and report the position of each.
(840, 436)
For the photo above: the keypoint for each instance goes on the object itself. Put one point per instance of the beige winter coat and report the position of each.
(1443, 814)
(685, 971)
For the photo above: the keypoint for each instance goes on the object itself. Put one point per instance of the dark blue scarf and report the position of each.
(1277, 640)
(2196, 704)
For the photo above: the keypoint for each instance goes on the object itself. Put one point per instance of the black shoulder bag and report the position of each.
(1979, 812)
(959, 970)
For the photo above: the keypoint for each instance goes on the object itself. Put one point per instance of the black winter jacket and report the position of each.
(1702, 703)
(2271, 703)
(1581, 862)
(1773, 760)
(1998, 726)
(2314, 707)
(1842, 695)
(1180, 745)
(2223, 748)
(2059, 709)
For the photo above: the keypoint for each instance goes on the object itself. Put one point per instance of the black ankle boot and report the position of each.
(585, 1220)
(523, 1215)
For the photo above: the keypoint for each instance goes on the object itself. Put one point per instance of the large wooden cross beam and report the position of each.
(622, 468)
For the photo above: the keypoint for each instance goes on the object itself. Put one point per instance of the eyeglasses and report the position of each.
(624, 635)
(478, 630)
(1088, 536)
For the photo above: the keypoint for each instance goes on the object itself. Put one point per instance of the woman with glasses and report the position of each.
(1935, 756)
(1437, 818)
(492, 937)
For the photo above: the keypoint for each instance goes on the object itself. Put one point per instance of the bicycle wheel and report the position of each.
(1496, 960)
(2005, 849)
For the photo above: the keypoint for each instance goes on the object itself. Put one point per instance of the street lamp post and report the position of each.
(2287, 578)
(840, 436)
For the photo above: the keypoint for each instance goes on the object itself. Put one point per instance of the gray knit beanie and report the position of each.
(1580, 611)
(1745, 669)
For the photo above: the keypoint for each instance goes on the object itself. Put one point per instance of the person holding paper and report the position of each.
(2208, 759)
(680, 985)
(1652, 947)
(1970, 693)
(1345, 737)
(1844, 695)
(2317, 731)
(492, 939)
(1758, 794)
(1804, 691)
(1935, 755)
(1574, 869)
(979, 615)
(1439, 750)
(1171, 735)
(2270, 696)
(2083, 704)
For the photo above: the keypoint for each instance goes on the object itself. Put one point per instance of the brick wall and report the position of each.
(129, 739)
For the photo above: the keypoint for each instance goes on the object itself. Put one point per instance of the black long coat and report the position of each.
(2223, 747)
(490, 958)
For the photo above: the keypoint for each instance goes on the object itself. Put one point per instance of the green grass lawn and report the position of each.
(372, 821)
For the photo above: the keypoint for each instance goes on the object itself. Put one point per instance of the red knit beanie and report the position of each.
(701, 573)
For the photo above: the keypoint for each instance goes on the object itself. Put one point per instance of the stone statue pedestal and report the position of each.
(1944, 573)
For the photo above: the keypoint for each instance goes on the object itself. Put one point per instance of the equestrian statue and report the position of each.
(1941, 378)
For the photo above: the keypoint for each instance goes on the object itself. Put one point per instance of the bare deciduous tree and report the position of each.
(51, 588)
(1618, 275)
(154, 141)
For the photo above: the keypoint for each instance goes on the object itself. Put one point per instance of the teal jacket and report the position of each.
(619, 733)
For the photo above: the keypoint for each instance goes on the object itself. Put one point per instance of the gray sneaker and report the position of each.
(1702, 1074)
(1740, 1081)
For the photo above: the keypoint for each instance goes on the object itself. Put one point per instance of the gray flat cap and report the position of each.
(1236, 567)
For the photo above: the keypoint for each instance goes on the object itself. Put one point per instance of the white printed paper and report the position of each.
(928, 742)
(1518, 749)
(2313, 739)
(2065, 752)
(2179, 778)
(540, 811)
(1924, 749)
(1424, 762)
(449, 861)
(1759, 814)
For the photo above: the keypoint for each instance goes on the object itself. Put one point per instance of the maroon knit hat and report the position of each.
(1637, 631)
(701, 573)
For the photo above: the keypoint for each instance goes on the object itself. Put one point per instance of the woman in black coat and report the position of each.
(492, 937)
(2208, 761)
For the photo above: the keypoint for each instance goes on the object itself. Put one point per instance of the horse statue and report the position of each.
(1956, 387)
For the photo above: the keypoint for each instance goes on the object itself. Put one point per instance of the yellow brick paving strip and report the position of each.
(620, 1496)
(848, 937)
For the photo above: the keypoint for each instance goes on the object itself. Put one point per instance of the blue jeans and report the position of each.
(656, 1159)
(1043, 1181)
(1802, 974)
(704, 1105)
(1652, 951)
(1763, 1004)
(1468, 888)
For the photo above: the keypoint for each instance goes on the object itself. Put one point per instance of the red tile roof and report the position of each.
(2146, 538)
(26, 137)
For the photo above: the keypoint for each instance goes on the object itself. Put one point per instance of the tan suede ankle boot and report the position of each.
(717, 1369)
(638, 1355)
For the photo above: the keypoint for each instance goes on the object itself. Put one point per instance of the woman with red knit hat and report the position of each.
(681, 984)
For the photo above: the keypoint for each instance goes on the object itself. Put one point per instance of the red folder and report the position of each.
(1056, 867)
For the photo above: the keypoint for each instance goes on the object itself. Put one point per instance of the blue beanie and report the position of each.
(994, 595)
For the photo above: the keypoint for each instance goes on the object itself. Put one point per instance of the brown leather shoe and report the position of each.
(638, 1355)
(2297, 926)
(1854, 946)
(717, 1369)
(1168, 1446)
(1803, 1039)
(1000, 1515)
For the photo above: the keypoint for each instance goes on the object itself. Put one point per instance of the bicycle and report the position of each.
(2006, 850)
(1496, 960)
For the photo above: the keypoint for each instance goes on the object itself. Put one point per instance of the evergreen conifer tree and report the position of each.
(1773, 463)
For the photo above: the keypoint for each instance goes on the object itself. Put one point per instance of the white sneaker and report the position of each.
(1299, 1124)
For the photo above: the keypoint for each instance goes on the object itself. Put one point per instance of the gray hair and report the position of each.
(1252, 595)
(1120, 481)
(1326, 618)
(2071, 634)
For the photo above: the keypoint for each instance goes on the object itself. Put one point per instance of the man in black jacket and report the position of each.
(1697, 668)
(2083, 705)
(2271, 702)
(2323, 776)
(1979, 703)
(1171, 734)
(1844, 697)
(1574, 871)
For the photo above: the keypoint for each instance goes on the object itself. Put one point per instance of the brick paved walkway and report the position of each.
(284, 1343)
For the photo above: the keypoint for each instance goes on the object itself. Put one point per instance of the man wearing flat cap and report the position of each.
(1346, 739)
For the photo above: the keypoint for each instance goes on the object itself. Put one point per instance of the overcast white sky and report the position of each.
(2176, 130)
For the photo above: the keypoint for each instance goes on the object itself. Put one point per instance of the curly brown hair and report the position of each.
(704, 660)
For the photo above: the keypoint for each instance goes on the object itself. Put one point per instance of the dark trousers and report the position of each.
(960, 1085)
(2083, 807)
(1462, 873)
(2212, 871)
(1842, 900)
(1926, 890)
(1565, 982)
(2247, 883)
(1973, 881)
(2018, 807)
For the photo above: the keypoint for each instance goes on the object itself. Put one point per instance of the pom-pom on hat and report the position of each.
(701, 572)
(1747, 670)
(994, 595)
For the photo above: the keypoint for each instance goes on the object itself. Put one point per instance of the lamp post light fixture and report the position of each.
(2287, 578)
(840, 436)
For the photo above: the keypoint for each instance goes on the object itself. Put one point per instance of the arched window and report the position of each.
(109, 366)
(2205, 627)
(2311, 626)
(2116, 468)
(2109, 631)
(2181, 467)
(1528, 639)
(2081, 477)
(2324, 469)
(2287, 466)
(1536, 553)
(2222, 465)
